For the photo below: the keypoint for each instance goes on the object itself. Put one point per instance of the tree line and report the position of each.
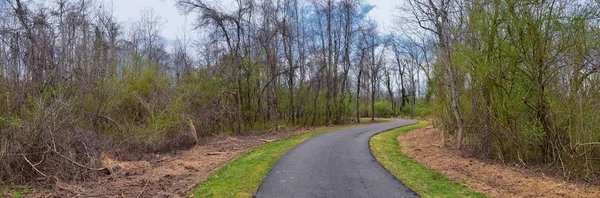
(517, 80)
(76, 83)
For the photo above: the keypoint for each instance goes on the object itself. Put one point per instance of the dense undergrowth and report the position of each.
(527, 90)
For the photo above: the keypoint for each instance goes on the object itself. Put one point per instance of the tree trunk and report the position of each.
(358, 96)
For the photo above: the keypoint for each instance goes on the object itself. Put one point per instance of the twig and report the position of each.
(147, 106)
(588, 143)
(57, 185)
(143, 189)
(78, 164)
(33, 166)
(111, 120)
(43, 157)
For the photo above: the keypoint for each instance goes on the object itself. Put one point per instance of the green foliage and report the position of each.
(139, 106)
(384, 109)
(199, 92)
(138, 99)
(421, 108)
(10, 122)
(525, 91)
(14, 191)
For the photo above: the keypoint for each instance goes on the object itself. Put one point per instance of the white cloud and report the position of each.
(384, 12)
(130, 11)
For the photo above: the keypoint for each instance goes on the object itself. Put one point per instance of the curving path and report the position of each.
(335, 164)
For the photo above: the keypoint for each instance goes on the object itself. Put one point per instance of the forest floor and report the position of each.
(488, 177)
(166, 175)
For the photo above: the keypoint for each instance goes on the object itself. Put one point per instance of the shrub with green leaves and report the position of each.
(384, 109)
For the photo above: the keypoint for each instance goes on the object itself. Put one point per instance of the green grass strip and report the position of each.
(424, 181)
(243, 176)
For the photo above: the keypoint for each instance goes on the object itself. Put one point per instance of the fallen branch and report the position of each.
(33, 166)
(107, 171)
(63, 188)
(143, 189)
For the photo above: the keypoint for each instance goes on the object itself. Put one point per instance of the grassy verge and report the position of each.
(243, 176)
(425, 182)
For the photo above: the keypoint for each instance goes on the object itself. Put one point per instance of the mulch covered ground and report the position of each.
(487, 177)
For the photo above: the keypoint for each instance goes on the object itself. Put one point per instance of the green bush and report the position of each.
(421, 108)
(143, 109)
(384, 109)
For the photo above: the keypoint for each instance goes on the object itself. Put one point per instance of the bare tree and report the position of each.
(434, 16)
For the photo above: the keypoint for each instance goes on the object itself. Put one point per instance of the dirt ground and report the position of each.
(492, 179)
(167, 175)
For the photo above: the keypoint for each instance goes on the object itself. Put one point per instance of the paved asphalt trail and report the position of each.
(335, 164)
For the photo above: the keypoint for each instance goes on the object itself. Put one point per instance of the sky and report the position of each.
(175, 22)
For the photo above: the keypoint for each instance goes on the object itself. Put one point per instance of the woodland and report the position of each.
(511, 80)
